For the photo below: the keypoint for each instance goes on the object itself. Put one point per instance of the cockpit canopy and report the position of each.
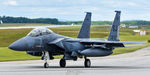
(40, 31)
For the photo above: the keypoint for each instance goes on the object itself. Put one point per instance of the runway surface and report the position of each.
(135, 63)
(24, 27)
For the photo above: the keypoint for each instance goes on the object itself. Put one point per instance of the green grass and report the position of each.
(128, 49)
(10, 55)
(10, 35)
(7, 36)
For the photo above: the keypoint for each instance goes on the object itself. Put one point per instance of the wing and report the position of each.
(105, 42)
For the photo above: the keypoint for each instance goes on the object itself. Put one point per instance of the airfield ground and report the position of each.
(7, 36)
(134, 63)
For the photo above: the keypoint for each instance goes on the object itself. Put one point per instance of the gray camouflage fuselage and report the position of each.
(45, 43)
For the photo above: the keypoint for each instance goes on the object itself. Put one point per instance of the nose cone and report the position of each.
(19, 45)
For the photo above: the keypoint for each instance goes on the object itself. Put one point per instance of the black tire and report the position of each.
(46, 65)
(62, 63)
(87, 63)
(75, 58)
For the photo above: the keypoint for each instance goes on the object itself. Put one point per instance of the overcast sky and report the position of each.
(73, 10)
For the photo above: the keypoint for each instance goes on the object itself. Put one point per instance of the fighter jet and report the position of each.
(45, 43)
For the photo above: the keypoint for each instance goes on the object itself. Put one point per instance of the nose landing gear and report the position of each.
(46, 65)
(46, 58)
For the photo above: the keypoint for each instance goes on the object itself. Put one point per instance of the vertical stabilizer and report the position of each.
(114, 33)
(85, 29)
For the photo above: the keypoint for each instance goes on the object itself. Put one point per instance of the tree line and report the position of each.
(8, 19)
(133, 22)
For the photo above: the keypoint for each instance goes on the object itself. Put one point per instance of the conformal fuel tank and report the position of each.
(95, 52)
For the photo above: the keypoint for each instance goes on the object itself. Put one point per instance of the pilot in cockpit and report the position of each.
(40, 31)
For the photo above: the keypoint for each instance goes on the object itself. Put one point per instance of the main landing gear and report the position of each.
(62, 63)
(87, 62)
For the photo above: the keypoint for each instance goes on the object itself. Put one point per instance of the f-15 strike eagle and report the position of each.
(45, 43)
